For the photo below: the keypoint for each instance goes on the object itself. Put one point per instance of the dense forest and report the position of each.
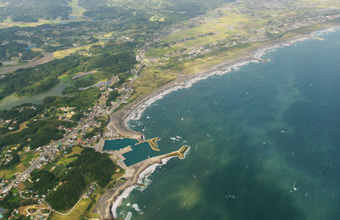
(32, 10)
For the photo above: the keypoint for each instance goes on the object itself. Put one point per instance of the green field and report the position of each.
(76, 10)
(63, 53)
(225, 28)
(222, 28)
(26, 158)
(149, 82)
(7, 174)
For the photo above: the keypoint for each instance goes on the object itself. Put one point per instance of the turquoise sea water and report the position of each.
(265, 142)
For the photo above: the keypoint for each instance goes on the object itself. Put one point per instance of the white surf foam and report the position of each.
(128, 216)
(145, 174)
(187, 152)
(325, 31)
(151, 169)
(136, 113)
(174, 139)
(137, 209)
(118, 201)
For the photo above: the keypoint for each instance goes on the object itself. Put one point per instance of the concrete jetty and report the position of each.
(314, 37)
(105, 202)
(152, 143)
(259, 59)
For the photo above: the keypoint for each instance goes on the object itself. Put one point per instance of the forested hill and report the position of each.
(32, 10)
(141, 13)
(133, 12)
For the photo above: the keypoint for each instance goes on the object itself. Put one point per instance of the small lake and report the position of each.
(13, 100)
(140, 152)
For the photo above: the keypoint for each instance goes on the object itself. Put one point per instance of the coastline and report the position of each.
(108, 202)
(135, 110)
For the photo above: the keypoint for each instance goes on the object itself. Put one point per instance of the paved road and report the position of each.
(27, 171)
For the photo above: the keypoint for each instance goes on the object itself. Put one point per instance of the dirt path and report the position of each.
(47, 58)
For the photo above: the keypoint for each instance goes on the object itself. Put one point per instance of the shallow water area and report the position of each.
(264, 141)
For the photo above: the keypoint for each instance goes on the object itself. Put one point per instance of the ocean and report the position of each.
(264, 141)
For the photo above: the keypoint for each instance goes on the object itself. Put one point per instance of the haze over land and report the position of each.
(77, 73)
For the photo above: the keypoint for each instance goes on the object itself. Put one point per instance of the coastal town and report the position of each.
(105, 120)
(53, 157)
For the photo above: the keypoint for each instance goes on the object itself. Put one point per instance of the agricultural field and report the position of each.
(77, 11)
(140, 4)
(210, 59)
(65, 160)
(322, 4)
(63, 53)
(147, 83)
(9, 23)
(8, 173)
(231, 24)
(27, 157)
(221, 28)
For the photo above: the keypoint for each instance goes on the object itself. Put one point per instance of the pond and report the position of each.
(13, 100)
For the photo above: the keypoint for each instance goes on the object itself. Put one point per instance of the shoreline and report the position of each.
(111, 199)
(135, 110)
(186, 81)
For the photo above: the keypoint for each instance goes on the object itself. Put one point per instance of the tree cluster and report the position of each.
(90, 166)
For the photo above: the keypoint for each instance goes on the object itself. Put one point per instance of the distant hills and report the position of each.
(32, 10)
